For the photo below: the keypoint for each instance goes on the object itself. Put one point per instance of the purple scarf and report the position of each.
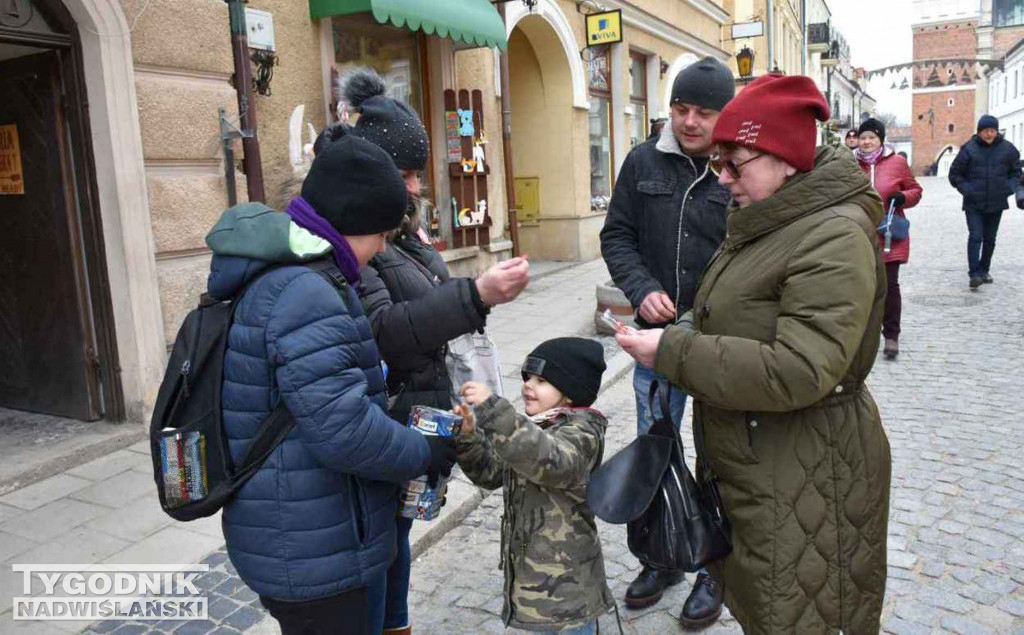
(872, 158)
(306, 217)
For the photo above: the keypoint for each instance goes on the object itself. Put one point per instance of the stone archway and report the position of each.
(542, 111)
(548, 133)
(548, 11)
(123, 199)
(943, 160)
(677, 65)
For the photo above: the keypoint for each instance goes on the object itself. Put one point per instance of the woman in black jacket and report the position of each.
(411, 300)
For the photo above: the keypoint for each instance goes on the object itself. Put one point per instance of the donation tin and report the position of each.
(417, 499)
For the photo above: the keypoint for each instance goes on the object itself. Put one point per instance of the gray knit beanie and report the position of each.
(707, 83)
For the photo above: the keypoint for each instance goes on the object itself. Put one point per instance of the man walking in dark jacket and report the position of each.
(665, 221)
(986, 172)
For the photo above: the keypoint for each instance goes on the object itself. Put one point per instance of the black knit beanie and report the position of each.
(875, 126)
(707, 84)
(354, 185)
(573, 365)
(389, 123)
(988, 121)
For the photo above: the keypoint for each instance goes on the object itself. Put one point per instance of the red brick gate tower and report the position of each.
(943, 114)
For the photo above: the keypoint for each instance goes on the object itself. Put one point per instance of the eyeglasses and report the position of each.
(718, 164)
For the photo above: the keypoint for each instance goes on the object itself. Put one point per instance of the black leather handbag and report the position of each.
(671, 522)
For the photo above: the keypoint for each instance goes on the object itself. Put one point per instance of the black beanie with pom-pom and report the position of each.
(387, 122)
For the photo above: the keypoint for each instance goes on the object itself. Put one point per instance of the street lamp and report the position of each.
(745, 62)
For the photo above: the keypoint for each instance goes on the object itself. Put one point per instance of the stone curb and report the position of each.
(126, 435)
(452, 517)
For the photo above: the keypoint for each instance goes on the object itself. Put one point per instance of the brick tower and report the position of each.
(943, 112)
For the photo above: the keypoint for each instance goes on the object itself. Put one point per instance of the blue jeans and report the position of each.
(981, 241)
(642, 379)
(587, 629)
(396, 611)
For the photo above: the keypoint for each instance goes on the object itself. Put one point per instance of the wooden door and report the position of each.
(48, 362)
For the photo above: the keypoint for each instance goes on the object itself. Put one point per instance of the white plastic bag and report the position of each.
(473, 357)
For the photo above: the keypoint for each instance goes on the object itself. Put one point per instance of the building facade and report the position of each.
(140, 173)
(782, 45)
(800, 39)
(1000, 28)
(943, 112)
(1006, 95)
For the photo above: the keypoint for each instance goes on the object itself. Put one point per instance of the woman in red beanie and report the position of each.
(784, 330)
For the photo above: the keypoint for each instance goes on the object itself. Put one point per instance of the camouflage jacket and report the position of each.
(550, 550)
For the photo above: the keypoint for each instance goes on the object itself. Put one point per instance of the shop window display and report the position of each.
(599, 82)
(393, 52)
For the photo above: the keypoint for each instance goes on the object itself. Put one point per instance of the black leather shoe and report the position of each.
(704, 604)
(976, 282)
(647, 588)
(986, 279)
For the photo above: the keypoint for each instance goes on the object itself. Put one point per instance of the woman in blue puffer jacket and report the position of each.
(313, 532)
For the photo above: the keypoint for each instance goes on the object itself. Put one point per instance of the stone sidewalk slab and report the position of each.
(80, 546)
(133, 522)
(52, 520)
(46, 491)
(118, 490)
(111, 465)
(171, 545)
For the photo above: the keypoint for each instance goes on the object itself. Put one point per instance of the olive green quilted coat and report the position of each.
(788, 318)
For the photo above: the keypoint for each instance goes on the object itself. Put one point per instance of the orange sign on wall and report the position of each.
(12, 181)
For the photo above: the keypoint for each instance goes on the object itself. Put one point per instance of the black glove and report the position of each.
(1019, 198)
(442, 458)
(899, 198)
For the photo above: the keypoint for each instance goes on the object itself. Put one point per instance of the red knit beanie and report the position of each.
(775, 114)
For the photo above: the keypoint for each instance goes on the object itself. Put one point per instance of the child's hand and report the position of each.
(468, 420)
(474, 393)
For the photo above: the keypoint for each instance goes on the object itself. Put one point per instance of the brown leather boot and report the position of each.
(405, 630)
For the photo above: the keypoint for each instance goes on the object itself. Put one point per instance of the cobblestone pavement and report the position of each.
(951, 406)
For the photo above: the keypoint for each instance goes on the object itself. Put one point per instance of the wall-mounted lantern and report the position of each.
(745, 62)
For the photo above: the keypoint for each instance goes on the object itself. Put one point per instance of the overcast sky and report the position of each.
(879, 35)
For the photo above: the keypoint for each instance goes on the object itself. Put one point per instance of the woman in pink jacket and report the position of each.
(892, 179)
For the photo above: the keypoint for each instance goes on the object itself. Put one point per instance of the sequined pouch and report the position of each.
(183, 456)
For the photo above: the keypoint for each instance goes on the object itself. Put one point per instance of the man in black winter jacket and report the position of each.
(986, 172)
(665, 221)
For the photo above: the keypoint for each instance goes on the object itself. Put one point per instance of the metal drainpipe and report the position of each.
(506, 143)
(252, 165)
(770, 19)
(803, 37)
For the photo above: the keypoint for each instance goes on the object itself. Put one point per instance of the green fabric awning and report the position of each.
(471, 21)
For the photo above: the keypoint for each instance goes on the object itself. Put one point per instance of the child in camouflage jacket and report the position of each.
(551, 553)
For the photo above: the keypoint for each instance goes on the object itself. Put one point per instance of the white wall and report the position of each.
(942, 10)
(906, 147)
(1006, 97)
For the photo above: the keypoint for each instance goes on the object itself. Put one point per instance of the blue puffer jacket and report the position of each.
(986, 174)
(319, 516)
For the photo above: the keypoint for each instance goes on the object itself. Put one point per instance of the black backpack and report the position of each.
(192, 466)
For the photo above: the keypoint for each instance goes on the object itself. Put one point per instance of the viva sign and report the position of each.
(604, 28)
